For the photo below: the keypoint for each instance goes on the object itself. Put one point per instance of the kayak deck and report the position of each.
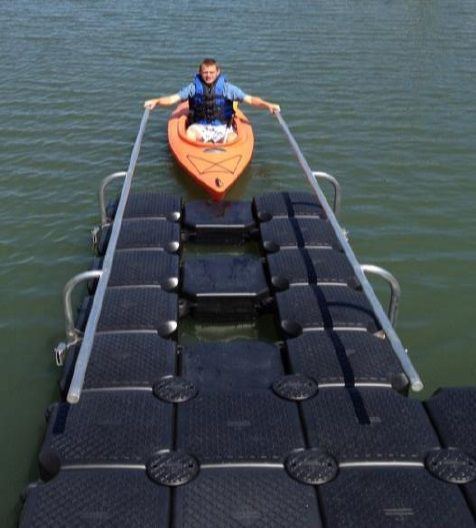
(214, 166)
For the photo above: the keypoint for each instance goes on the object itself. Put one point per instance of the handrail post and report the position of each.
(71, 331)
(415, 380)
(337, 189)
(395, 290)
(102, 192)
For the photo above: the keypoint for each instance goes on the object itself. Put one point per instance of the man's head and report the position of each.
(209, 70)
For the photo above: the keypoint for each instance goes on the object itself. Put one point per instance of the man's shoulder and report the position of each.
(233, 90)
(187, 91)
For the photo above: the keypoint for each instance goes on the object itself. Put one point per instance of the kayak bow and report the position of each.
(214, 166)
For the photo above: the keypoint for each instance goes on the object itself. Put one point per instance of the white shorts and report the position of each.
(212, 133)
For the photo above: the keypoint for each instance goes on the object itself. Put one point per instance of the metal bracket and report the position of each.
(102, 193)
(337, 189)
(61, 351)
(95, 236)
(394, 289)
(71, 331)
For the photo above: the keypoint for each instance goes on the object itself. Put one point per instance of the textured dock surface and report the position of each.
(313, 429)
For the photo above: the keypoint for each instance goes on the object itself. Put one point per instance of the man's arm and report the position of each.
(167, 100)
(261, 103)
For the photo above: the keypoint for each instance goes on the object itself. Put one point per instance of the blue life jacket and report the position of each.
(209, 106)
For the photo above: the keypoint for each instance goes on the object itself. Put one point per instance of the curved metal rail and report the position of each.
(337, 189)
(87, 343)
(71, 331)
(409, 369)
(102, 193)
(394, 289)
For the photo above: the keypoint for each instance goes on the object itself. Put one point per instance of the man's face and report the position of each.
(209, 73)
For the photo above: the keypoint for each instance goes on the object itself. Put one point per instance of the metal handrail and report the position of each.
(409, 369)
(82, 360)
(102, 192)
(395, 290)
(337, 189)
(70, 328)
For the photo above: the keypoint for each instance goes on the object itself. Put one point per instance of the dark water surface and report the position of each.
(378, 93)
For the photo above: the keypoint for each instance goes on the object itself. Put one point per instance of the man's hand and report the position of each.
(162, 101)
(261, 103)
(151, 104)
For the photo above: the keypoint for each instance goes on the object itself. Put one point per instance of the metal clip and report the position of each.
(95, 231)
(60, 353)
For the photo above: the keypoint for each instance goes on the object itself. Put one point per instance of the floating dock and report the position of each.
(312, 429)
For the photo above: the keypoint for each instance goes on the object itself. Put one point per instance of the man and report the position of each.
(210, 98)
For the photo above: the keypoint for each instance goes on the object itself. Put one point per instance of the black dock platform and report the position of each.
(312, 429)
(308, 424)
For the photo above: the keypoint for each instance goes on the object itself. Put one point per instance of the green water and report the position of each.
(378, 93)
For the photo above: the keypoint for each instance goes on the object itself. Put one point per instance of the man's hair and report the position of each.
(208, 62)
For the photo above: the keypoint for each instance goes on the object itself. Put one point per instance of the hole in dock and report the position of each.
(262, 329)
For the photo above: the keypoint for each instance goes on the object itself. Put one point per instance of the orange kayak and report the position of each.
(214, 166)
